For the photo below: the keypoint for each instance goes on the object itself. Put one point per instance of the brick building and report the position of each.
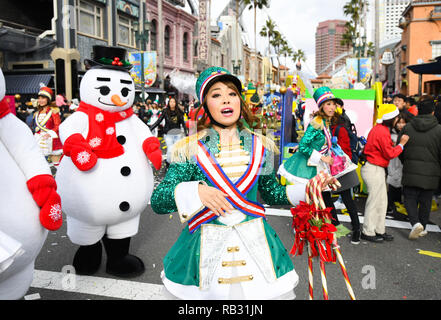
(327, 44)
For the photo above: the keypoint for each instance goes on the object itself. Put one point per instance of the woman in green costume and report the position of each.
(314, 152)
(227, 250)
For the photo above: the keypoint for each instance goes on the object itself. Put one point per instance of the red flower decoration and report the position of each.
(116, 62)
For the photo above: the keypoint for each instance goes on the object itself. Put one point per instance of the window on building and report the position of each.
(126, 32)
(153, 35)
(89, 18)
(167, 41)
(436, 49)
(185, 46)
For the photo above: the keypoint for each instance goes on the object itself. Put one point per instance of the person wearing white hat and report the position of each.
(379, 150)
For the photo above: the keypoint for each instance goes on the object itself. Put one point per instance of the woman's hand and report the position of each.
(404, 139)
(214, 199)
(327, 159)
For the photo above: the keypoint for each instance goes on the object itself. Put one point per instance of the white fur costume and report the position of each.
(91, 199)
(21, 234)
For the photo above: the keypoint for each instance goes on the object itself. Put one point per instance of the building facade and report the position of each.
(327, 44)
(420, 43)
(178, 29)
(390, 12)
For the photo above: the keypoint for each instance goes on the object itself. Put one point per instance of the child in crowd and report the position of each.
(395, 169)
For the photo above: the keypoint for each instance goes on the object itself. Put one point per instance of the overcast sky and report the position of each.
(296, 19)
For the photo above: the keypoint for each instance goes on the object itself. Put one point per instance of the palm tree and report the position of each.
(354, 10)
(256, 4)
(286, 51)
(268, 31)
(299, 56)
(277, 42)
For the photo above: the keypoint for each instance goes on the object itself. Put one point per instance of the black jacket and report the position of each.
(421, 157)
(173, 120)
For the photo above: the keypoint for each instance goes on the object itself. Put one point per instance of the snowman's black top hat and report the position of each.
(104, 57)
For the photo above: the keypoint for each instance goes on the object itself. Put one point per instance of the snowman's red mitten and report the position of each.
(80, 152)
(44, 191)
(151, 147)
(4, 108)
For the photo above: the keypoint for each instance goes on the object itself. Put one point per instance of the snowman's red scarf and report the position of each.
(102, 132)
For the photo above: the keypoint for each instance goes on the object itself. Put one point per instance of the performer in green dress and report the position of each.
(228, 250)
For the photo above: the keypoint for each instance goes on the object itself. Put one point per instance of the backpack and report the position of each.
(357, 143)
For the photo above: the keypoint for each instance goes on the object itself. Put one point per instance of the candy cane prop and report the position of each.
(310, 275)
(324, 282)
(345, 274)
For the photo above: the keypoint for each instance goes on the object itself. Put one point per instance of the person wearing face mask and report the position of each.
(174, 124)
(228, 250)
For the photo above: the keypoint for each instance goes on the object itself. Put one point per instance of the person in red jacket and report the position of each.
(379, 150)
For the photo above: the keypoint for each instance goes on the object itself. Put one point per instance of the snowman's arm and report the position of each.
(142, 131)
(21, 145)
(150, 144)
(78, 122)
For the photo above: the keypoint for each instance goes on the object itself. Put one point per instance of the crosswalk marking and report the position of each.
(115, 288)
(346, 218)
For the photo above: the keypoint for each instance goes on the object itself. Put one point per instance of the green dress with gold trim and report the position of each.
(302, 165)
(182, 264)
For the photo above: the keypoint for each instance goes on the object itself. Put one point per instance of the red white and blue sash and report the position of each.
(236, 191)
(328, 144)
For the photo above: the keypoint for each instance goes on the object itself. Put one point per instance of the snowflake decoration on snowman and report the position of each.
(104, 181)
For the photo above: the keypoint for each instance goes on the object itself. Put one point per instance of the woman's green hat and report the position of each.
(323, 94)
(207, 77)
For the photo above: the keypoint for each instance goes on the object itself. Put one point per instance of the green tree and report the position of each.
(256, 4)
(286, 51)
(278, 42)
(268, 31)
(299, 56)
(354, 10)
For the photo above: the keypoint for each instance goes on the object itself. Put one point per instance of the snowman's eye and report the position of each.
(125, 92)
(104, 90)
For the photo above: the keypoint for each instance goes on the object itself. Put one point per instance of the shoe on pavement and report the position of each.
(416, 230)
(375, 238)
(385, 236)
(355, 239)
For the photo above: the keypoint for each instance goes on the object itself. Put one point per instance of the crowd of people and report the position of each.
(402, 156)
(167, 120)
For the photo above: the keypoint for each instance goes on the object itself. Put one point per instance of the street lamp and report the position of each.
(359, 51)
(236, 67)
(142, 37)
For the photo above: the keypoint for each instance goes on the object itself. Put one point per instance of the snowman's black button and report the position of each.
(125, 171)
(121, 139)
(124, 206)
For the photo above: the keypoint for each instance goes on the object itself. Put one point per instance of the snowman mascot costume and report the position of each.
(30, 203)
(105, 180)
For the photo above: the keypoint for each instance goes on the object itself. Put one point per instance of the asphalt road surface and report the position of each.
(398, 270)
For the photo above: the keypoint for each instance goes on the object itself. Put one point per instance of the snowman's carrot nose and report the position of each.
(117, 100)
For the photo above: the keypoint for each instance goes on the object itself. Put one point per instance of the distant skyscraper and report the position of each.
(390, 13)
(327, 44)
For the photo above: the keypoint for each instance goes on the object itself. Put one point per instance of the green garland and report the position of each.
(109, 61)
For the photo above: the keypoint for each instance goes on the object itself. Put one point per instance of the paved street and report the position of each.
(395, 270)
